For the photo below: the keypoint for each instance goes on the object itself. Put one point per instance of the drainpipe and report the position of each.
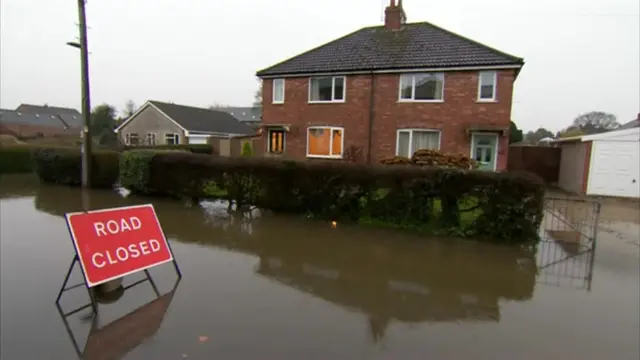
(371, 116)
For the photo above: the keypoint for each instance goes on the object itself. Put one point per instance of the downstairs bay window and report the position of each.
(411, 140)
(325, 142)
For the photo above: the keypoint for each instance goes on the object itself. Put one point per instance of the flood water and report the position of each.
(275, 287)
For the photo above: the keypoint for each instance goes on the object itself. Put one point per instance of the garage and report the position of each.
(199, 139)
(606, 164)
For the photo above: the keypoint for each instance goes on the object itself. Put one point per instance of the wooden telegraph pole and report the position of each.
(86, 102)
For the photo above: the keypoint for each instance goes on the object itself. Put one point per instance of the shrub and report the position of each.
(247, 150)
(134, 169)
(193, 148)
(16, 159)
(426, 157)
(64, 166)
(504, 207)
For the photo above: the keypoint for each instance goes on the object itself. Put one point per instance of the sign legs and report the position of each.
(93, 304)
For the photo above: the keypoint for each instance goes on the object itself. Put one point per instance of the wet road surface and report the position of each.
(279, 287)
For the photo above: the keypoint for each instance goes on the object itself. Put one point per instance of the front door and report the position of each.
(484, 150)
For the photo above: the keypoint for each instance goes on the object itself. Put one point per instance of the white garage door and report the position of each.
(615, 169)
(198, 139)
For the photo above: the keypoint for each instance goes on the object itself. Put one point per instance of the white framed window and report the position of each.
(327, 89)
(325, 142)
(487, 81)
(422, 87)
(172, 139)
(151, 138)
(411, 140)
(276, 142)
(278, 91)
(131, 139)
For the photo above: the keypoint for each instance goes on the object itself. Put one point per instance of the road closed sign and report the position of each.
(112, 243)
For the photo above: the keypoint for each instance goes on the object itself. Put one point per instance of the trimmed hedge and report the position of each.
(505, 207)
(64, 166)
(192, 148)
(16, 159)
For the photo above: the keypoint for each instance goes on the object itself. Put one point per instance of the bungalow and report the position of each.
(156, 123)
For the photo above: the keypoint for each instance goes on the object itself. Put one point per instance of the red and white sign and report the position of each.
(112, 243)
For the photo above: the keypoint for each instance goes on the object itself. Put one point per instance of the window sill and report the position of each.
(327, 102)
(487, 101)
(421, 101)
(336, 157)
(277, 102)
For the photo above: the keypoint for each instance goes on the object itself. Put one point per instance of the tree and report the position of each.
(570, 132)
(103, 121)
(534, 137)
(515, 134)
(217, 106)
(596, 122)
(129, 108)
(257, 96)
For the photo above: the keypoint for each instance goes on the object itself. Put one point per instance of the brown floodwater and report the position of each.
(268, 286)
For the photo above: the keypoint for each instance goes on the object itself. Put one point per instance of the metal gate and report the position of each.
(569, 235)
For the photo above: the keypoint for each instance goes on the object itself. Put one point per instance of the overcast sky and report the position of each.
(580, 55)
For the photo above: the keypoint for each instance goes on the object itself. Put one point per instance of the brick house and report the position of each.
(391, 90)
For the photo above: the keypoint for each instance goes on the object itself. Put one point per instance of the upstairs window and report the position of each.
(278, 91)
(422, 87)
(172, 139)
(487, 85)
(325, 142)
(327, 89)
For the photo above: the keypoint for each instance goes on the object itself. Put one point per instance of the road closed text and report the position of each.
(123, 253)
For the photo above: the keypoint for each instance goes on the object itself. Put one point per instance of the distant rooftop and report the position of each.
(71, 117)
(243, 114)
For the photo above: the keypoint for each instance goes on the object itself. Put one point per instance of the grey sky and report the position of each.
(580, 55)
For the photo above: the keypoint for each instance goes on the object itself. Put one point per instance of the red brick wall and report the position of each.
(459, 111)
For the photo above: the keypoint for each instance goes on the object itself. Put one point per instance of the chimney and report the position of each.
(394, 16)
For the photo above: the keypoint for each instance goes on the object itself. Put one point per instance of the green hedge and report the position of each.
(193, 148)
(504, 207)
(16, 159)
(64, 166)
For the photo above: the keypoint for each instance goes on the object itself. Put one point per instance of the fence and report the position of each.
(543, 161)
(234, 146)
(569, 235)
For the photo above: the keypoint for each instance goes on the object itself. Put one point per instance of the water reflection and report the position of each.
(118, 337)
(262, 285)
(397, 277)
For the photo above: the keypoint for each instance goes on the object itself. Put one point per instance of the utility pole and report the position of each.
(86, 102)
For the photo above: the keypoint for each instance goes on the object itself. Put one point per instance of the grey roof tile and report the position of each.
(243, 114)
(203, 120)
(416, 45)
(17, 117)
(72, 117)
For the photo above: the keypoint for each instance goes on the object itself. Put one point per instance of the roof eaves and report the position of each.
(518, 66)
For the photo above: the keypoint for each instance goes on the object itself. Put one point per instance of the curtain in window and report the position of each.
(278, 90)
(319, 142)
(336, 145)
(321, 89)
(403, 143)
(425, 140)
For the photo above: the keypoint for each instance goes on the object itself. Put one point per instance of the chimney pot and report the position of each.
(394, 16)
